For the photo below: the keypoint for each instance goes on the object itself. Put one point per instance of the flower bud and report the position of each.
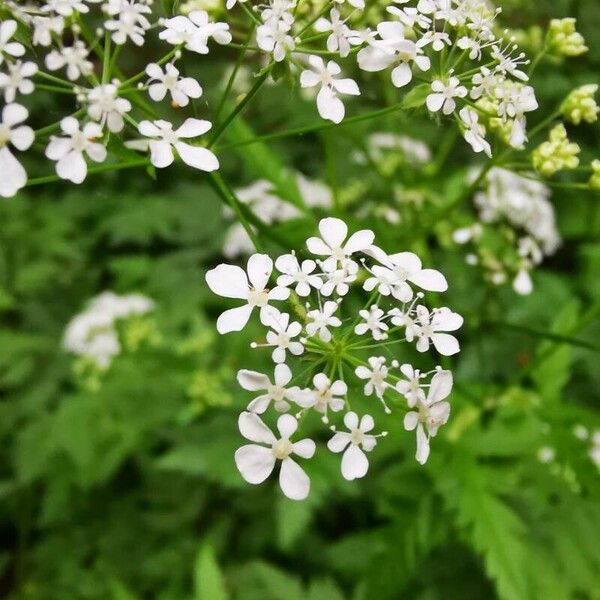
(580, 105)
(594, 182)
(556, 154)
(563, 39)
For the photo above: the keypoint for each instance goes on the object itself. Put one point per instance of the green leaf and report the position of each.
(417, 96)
(208, 579)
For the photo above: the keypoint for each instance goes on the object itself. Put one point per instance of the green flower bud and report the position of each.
(594, 182)
(563, 39)
(580, 105)
(556, 154)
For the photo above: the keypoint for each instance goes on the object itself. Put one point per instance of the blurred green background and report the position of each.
(122, 485)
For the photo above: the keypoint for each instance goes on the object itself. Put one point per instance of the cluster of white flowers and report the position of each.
(524, 204)
(581, 432)
(333, 345)
(474, 76)
(261, 196)
(93, 334)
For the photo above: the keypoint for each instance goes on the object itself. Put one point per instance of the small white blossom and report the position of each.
(7, 31)
(339, 280)
(327, 395)
(256, 461)
(474, 132)
(181, 89)
(373, 322)
(194, 31)
(44, 27)
(341, 35)
(69, 151)
(130, 22)
(354, 443)
(325, 75)
(65, 8)
(319, 321)
(300, 275)
(432, 327)
(14, 176)
(16, 80)
(276, 392)
(432, 413)
(105, 106)
(376, 377)
(443, 94)
(73, 57)
(334, 245)
(163, 139)
(410, 387)
(282, 334)
(231, 281)
(274, 36)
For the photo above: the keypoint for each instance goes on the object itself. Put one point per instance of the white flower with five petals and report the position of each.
(327, 395)
(181, 89)
(433, 327)
(432, 413)
(194, 31)
(69, 150)
(282, 334)
(443, 94)
(325, 75)
(16, 80)
(276, 392)
(7, 31)
(231, 281)
(373, 322)
(354, 443)
(410, 387)
(163, 139)
(300, 275)
(319, 321)
(376, 377)
(256, 461)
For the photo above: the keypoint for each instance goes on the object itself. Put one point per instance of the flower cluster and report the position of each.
(522, 204)
(341, 350)
(556, 154)
(92, 334)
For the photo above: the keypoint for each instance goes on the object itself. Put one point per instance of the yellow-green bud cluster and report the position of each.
(563, 38)
(556, 154)
(580, 105)
(594, 182)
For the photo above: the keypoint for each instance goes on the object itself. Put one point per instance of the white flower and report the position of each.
(431, 414)
(341, 35)
(326, 395)
(17, 79)
(256, 462)
(432, 327)
(21, 137)
(402, 318)
(65, 8)
(7, 30)
(194, 31)
(105, 106)
(338, 279)
(231, 281)
(300, 275)
(282, 335)
(180, 88)
(483, 82)
(354, 461)
(321, 320)
(164, 138)
(522, 283)
(331, 243)
(393, 49)
(443, 95)
(373, 322)
(274, 37)
(375, 376)
(44, 27)
(399, 269)
(69, 151)
(73, 57)
(329, 105)
(410, 387)
(275, 392)
(474, 133)
(130, 22)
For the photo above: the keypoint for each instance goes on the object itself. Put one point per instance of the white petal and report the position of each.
(346, 86)
(234, 319)
(430, 279)
(304, 448)
(196, 157)
(354, 463)
(333, 231)
(309, 78)
(422, 453)
(13, 177)
(401, 75)
(317, 246)
(283, 375)
(161, 154)
(434, 102)
(252, 380)
(72, 167)
(287, 425)
(193, 128)
(441, 386)
(445, 343)
(359, 241)
(351, 420)
(253, 429)
(259, 404)
(259, 269)
(329, 105)
(229, 281)
(12, 114)
(339, 441)
(255, 463)
(294, 482)
(411, 419)
(148, 129)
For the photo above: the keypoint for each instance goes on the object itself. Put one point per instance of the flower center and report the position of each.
(282, 449)
(357, 436)
(4, 134)
(258, 297)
